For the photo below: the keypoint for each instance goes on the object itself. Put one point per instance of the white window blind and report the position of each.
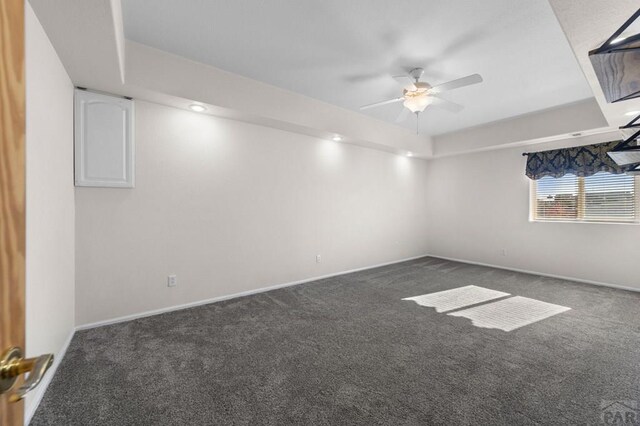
(603, 197)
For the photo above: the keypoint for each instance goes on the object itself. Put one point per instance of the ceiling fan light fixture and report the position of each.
(416, 103)
(418, 95)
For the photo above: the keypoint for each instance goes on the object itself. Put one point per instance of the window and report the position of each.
(603, 197)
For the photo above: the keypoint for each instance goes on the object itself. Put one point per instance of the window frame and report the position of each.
(581, 206)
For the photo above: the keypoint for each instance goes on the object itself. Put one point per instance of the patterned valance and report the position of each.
(580, 161)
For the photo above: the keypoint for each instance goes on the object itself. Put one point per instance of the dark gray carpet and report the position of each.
(348, 351)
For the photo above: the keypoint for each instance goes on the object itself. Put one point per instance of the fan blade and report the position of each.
(437, 101)
(389, 101)
(403, 115)
(454, 84)
(406, 82)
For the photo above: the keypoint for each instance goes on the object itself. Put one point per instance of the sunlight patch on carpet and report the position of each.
(510, 314)
(456, 298)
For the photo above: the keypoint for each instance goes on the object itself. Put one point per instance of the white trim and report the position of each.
(542, 274)
(40, 390)
(232, 296)
(589, 222)
(83, 99)
(615, 134)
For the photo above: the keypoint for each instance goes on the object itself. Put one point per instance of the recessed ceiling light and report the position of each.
(409, 154)
(337, 138)
(197, 107)
(632, 113)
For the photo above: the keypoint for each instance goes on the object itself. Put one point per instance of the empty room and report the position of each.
(319, 212)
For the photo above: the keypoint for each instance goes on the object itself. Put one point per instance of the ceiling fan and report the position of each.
(418, 95)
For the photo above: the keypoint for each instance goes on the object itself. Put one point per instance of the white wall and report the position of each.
(50, 280)
(230, 207)
(479, 204)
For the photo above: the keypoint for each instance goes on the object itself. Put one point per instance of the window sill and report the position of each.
(589, 222)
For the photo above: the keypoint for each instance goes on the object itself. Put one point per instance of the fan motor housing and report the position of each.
(421, 87)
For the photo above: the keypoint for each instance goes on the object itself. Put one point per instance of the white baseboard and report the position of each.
(542, 274)
(40, 390)
(232, 296)
(293, 283)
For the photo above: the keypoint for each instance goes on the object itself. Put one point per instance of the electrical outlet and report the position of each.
(318, 258)
(172, 280)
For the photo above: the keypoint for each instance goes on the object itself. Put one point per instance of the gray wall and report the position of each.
(231, 207)
(479, 204)
(50, 280)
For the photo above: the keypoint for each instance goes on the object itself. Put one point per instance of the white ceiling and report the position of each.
(343, 52)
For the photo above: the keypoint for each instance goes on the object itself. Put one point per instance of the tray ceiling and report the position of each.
(344, 53)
